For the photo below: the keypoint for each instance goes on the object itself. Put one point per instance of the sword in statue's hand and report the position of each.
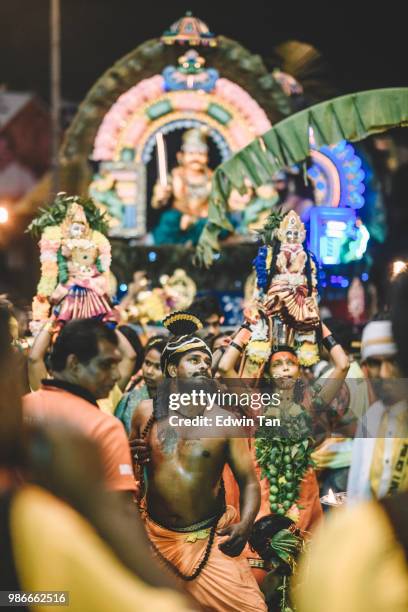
(161, 159)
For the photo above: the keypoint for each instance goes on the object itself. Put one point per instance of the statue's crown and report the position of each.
(291, 221)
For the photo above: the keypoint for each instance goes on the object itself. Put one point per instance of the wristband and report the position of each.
(329, 342)
(236, 346)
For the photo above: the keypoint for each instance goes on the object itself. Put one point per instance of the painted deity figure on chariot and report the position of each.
(187, 189)
(284, 307)
(75, 263)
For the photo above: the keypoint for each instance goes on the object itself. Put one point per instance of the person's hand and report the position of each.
(186, 221)
(140, 451)
(58, 294)
(162, 193)
(234, 544)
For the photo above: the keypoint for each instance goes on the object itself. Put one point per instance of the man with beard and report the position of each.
(379, 465)
(190, 528)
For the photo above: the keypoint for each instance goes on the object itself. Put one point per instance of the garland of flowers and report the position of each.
(54, 268)
(49, 246)
(284, 461)
(261, 268)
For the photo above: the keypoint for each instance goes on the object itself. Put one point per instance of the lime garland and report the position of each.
(285, 459)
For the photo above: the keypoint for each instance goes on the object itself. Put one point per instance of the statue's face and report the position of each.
(195, 160)
(77, 230)
(293, 236)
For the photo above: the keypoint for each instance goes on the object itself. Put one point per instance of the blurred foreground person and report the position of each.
(45, 544)
(358, 561)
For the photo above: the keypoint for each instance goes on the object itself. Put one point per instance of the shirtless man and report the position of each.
(186, 520)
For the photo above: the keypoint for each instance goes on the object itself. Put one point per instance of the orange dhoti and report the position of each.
(226, 584)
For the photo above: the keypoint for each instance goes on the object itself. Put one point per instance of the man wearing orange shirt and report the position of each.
(84, 364)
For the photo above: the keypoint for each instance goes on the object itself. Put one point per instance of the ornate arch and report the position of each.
(236, 64)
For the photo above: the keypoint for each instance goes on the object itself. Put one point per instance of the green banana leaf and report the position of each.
(351, 117)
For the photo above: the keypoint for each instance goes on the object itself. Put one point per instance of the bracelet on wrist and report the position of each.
(329, 342)
(236, 346)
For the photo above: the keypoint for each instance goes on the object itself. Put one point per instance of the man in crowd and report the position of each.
(186, 518)
(209, 311)
(84, 364)
(379, 464)
(368, 544)
(333, 457)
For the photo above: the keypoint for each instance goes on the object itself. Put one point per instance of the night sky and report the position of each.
(365, 49)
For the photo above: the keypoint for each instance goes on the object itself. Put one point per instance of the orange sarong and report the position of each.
(226, 584)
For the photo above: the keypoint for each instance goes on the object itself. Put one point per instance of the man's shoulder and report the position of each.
(59, 404)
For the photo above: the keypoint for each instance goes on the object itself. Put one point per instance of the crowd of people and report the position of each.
(101, 497)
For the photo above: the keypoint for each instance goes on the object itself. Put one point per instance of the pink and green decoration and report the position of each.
(160, 86)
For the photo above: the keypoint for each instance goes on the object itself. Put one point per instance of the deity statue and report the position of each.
(189, 188)
(289, 296)
(284, 310)
(75, 263)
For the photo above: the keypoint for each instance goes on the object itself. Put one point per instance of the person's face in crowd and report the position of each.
(196, 364)
(100, 374)
(373, 366)
(212, 324)
(389, 387)
(284, 369)
(151, 369)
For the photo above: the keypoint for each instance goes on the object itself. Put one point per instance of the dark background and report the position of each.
(364, 43)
